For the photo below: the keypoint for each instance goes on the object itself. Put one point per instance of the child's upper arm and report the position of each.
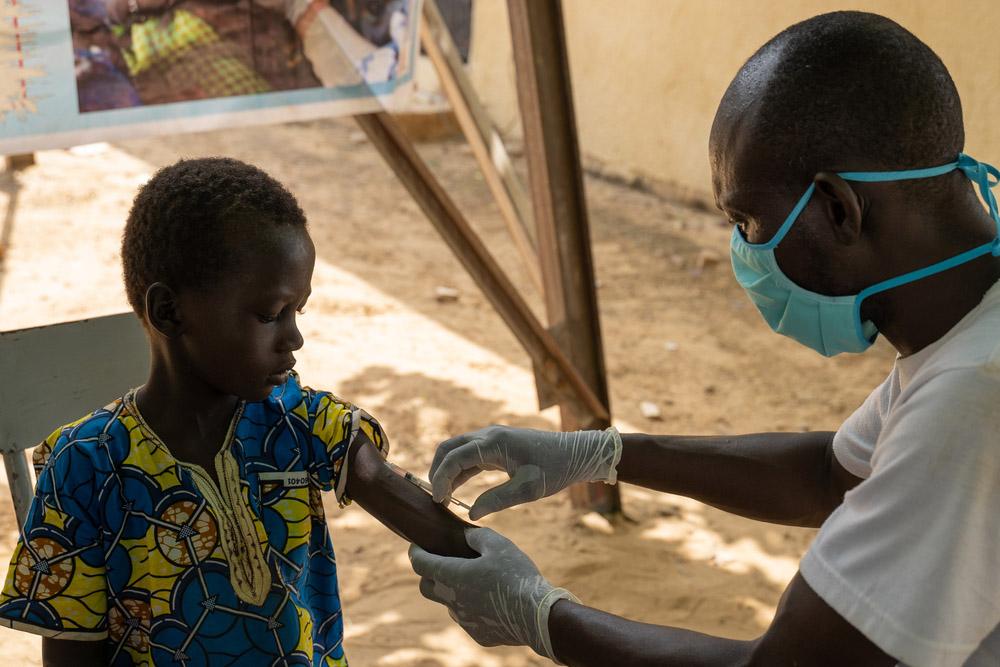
(335, 427)
(60, 652)
(56, 585)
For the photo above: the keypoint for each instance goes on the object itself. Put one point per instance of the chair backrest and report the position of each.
(54, 374)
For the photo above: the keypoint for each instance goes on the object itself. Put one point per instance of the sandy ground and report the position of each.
(677, 332)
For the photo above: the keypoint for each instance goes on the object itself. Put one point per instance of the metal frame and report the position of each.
(487, 145)
(386, 135)
(545, 97)
(571, 350)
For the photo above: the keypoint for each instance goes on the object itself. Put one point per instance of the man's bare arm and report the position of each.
(788, 478)
(805, 631)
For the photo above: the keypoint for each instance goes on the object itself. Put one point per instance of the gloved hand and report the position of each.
(540, 463)
(499, 598)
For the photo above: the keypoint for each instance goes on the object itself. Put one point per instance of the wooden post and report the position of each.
(20, 161)
(483, 137)
(545, 97)
(386, 135)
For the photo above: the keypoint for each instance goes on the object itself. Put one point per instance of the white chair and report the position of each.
(54, 374)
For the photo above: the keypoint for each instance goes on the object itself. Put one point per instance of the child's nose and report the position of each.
(294, 340)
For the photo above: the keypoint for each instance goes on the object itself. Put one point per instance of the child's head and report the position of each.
(217, 261)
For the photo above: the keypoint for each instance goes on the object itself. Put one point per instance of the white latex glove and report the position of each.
(498, 598)
(540, 463)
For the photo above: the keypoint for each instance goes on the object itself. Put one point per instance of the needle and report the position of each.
(416, 481)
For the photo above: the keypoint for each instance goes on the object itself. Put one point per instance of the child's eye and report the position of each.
(267, 319)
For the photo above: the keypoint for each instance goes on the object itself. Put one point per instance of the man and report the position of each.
(836, 154)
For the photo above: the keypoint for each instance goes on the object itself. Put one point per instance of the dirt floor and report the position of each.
(677, 332)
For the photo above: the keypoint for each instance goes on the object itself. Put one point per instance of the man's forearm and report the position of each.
(787, 478)
(582, 637)
(405, 509)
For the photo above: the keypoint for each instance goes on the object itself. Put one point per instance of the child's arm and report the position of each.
(72, 653)
(405, 509)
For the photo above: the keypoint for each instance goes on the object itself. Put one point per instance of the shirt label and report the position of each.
(294, 479)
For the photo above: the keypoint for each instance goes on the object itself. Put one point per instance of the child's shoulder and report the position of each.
(84, 435)
(294, 394)
(324, 411)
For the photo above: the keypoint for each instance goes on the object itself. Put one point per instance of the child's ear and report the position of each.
(162, 312)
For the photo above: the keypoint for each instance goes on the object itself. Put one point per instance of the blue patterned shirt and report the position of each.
(126, 544)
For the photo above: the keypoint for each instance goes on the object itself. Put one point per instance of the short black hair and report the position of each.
(852, 90)
(179, 227)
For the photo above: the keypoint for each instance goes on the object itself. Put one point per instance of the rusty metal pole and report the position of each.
(545, 97)
(483, 137)
(557, 370)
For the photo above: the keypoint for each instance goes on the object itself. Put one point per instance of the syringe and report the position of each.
(416, 481)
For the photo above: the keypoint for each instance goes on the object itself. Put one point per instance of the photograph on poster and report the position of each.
(130, 53)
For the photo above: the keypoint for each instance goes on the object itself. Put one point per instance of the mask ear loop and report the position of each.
(860, 176)
(980, 173)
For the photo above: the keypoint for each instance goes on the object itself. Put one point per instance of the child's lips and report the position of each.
(277, 378)
(281, 376)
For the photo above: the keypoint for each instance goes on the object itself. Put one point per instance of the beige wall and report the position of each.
(648, 74)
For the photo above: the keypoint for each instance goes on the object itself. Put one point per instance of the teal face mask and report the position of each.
(832, 324)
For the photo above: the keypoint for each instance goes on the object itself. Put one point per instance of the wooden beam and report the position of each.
(19, 161)
(415, 176)
(482, 135)
(545, 97)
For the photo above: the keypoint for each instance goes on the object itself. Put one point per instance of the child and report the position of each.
(183, 524)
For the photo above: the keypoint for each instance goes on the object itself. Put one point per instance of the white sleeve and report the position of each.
(854, 442)
(912, 556)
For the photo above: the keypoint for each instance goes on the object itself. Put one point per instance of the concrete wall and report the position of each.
(648, 74)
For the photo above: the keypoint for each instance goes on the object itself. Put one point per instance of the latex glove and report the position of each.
(540, 463)
(498, 598)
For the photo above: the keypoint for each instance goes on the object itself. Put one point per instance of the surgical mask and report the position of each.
(832, 324)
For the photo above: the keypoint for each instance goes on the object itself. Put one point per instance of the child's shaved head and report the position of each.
(180, 230)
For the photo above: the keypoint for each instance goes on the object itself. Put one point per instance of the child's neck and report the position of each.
(190, 419)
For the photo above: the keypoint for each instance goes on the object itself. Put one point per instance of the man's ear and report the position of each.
(162, 311)
(842, 204)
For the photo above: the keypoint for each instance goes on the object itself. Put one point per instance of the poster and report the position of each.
(79, 71)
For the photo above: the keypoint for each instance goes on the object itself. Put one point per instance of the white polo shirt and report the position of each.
(912, 556)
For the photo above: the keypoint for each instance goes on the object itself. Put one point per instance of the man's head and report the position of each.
(217, 261)
(846, 91)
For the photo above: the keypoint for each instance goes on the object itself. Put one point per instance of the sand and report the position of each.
(677, 331)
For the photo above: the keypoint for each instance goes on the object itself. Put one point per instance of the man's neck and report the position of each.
(918, 314)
